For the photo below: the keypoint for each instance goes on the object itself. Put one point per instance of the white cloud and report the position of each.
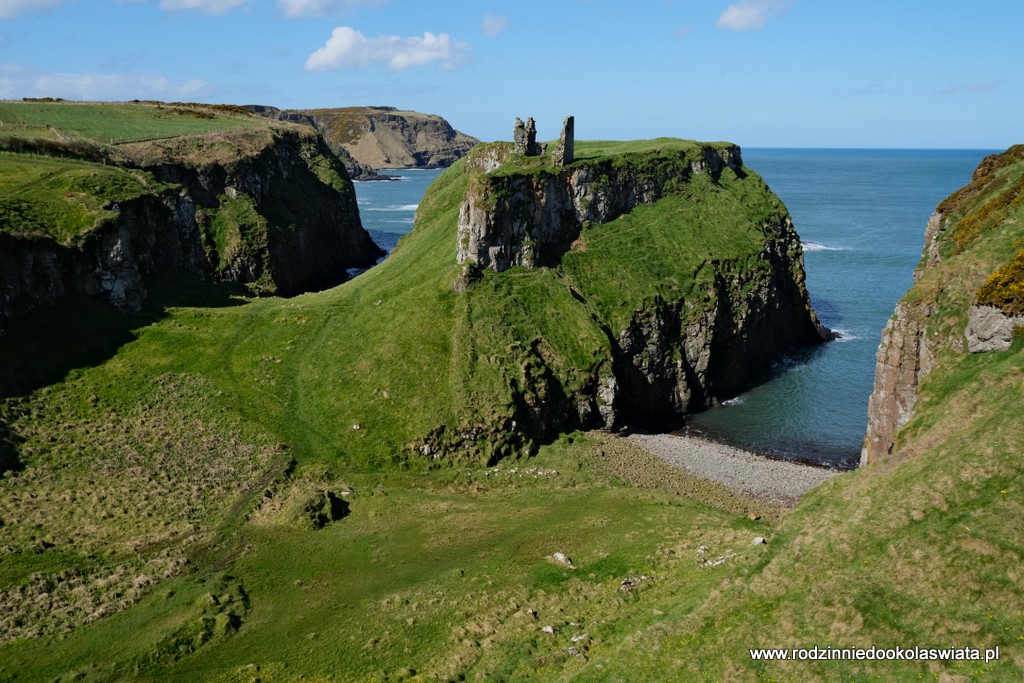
(10, 9)
(749, 15)
(348, 48)
(204, 6)
(17, 81)
(494, 24)
(319, 8)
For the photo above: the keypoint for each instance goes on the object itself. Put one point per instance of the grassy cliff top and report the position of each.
(118, 122)
(63, 198)
(586, 151)
(67, 163)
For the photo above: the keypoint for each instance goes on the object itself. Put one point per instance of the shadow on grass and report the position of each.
(83, 332)
(9, 459)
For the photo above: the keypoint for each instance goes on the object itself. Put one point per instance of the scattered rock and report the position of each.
(550, 630)
(718, 560)
(759, 540)
(562, 559)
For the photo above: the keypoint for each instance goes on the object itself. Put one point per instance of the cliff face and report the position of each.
(966, 298)
(275, 209)
(705, 296)
(281, 212)
(385, 137)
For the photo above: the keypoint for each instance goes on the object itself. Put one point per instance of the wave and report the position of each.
(733, 401)
(816, 246)
(395, 207)
(842, 335)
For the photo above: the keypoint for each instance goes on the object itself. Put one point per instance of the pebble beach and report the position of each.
(747, 473)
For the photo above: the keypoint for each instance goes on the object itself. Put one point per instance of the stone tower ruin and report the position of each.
(524, 141)
(563, 155)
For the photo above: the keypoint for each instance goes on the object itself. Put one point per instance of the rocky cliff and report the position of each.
(967, 298)
(677, 269)
(272, 207)
(385, 137)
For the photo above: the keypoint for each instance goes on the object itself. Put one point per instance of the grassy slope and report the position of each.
(304, 372)
(439, 572)
(62, 198)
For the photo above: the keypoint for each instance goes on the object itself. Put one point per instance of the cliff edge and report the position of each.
(967, 297)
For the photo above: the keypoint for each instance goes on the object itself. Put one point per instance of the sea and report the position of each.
(861, 216)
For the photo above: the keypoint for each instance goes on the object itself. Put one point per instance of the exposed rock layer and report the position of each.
(301, 234)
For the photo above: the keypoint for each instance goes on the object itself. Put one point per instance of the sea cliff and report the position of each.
(967, 297)
(681, 266)
(269, 206)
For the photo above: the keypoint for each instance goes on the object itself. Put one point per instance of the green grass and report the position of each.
(437, 573)
(192, 410)
(62, 198)
(116, 122)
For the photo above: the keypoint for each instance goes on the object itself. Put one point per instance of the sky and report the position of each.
(760, 73)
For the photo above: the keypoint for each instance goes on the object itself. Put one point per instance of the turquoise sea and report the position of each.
(861, 215)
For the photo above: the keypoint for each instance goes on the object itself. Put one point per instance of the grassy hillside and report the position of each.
(923, 548)
(63, 198)
(212, 431)
(341, 381)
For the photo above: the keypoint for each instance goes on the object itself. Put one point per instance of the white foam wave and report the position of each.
(395, 207)
(733, 401)
(842, 335)
(816, 246)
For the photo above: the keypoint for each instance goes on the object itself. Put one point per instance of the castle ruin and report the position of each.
(524, 141)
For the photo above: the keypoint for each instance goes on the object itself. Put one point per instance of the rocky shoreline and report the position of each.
(744, 472)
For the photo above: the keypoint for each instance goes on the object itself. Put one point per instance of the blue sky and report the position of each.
(761, 73)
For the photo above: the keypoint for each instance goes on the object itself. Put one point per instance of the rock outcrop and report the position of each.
(110, 263)
(904, 358)
(273, 207)
(990, 329)
(564, 153)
